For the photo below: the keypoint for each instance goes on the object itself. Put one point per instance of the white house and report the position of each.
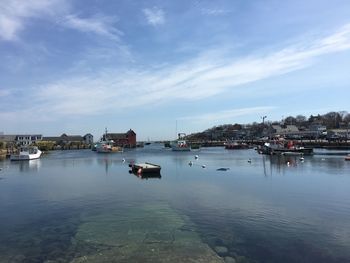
(88, 138)
(28, 139)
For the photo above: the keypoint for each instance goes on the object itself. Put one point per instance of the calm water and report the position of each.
(80, 206)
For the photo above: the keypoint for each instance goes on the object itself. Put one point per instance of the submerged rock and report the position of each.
(146, 234)
(221, 250)
(230, 260)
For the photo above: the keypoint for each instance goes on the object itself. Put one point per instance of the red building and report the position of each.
(127, 139)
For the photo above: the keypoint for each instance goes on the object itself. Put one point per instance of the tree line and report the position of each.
(331, 120)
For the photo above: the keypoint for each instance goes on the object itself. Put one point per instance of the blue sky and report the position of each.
(79, 66)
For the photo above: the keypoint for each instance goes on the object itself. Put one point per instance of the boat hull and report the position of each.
(25, 157)
(145, 168)
(181, 149)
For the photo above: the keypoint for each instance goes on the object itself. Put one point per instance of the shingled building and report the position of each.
(127, 139)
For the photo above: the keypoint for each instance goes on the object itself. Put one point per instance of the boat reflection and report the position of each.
(28, 166)
(279, 163)
(149, 175)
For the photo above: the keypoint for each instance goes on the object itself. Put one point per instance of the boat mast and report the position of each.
(176, 135)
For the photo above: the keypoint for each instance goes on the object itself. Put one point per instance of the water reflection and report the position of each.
(279, 163)
(302, 217)
(28, 166)
(108, 161)
(147, 176)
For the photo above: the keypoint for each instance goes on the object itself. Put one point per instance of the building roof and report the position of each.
(131, 132)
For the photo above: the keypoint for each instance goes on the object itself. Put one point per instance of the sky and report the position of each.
(162, 67)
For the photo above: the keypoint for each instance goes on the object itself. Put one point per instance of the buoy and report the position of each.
(190, 163)
(249, 161)
(196, 156)
(301, 158)
(123, 160)
(203, 166)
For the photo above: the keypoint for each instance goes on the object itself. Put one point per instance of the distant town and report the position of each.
(330, 127)
(333, 126)
(9, 142)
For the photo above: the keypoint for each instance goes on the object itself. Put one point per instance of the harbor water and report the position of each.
(82, 206)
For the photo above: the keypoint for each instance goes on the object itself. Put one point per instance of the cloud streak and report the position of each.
(100, 25)
(14, 14)
(194, 79)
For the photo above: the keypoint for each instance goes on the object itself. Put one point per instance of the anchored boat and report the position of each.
(233, 145)
(145, 168)
(106, 146)
(26, 153)
(282, 148)
(180, 144)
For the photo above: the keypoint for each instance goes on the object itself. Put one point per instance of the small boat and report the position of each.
(107, 147)
(26, 153)
(236, 146)
(347, 158)
(180, 144)
(284, 148)
(145, 168)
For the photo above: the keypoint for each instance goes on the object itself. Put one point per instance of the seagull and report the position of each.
(196, 156)
(123, 160)
(301, 159)
(249, 160)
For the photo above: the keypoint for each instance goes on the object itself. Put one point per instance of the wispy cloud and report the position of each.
(100, 25)
(14, 13)
(194, 79)
(214, 11)
(154, 16)
(14, 16)
(4, 92)
(227, 115)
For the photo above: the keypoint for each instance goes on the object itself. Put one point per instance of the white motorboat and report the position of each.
(26, 153)
(107, 147)
(180, 144)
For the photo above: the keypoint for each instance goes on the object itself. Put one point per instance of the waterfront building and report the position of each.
(67, 139)
(127, 139)
(28, 139)
(21, 139)
(88, 138)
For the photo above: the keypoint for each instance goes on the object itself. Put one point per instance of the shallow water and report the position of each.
(81, 206)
